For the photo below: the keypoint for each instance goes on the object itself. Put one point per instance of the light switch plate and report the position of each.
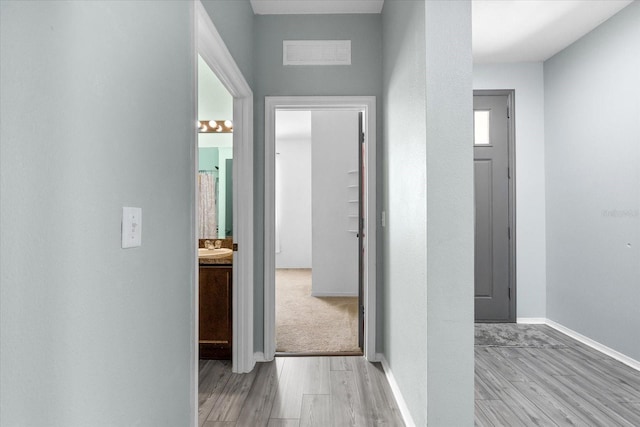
(131, 227)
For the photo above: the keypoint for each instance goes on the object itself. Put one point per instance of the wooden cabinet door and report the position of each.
(215, 312)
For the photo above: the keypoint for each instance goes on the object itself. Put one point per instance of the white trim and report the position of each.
(214, 52)
(395, 389)
(193, 334)
(258, 356)
(595, 345)
(532, 320)
(583, 339)
(368, 104)
(333, 294)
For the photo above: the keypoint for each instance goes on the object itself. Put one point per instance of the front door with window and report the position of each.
(494, 293)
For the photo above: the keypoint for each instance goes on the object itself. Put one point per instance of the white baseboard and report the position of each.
(596, 345)
(258, 356)
(583, 339)
(402, 405)
(333, 294)
(532, 320)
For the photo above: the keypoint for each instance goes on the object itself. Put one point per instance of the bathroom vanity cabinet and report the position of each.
(215, 311)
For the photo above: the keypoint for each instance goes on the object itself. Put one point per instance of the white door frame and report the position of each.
(214, 52)
(352, 103)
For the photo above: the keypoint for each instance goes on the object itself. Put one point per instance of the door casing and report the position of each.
(352, 103)
(211, 47)
(511, 144)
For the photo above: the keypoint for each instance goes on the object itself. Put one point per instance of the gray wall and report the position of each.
(363, 77)
(234, 21)
(98, 113)
(592, 132)
(528, 81)
(428, 281)
(405, 235)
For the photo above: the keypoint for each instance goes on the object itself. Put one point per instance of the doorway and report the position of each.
(215, 54)
(368, 224)
(318, 219)
(494, 183)
(215, 215)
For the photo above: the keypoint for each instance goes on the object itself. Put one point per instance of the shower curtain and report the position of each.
(208, 227)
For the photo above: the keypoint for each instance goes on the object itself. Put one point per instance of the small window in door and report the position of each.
(481, 126)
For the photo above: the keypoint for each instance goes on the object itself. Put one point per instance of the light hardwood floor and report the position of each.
(569, 386)
(297, 391)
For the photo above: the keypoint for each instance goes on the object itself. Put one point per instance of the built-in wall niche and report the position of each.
(215, 192)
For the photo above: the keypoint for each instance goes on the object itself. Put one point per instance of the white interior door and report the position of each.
(335, 191)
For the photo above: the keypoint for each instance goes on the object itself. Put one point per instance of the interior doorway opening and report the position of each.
(211, 48)
(214, 207)
(362, 228)
(318, 221)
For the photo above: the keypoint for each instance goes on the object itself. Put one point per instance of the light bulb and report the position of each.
(228, 123)
(213, 124)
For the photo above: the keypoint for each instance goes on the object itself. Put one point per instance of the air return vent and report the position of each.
(316, 52)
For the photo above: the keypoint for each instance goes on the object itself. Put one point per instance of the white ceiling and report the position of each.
(534, 30)
(503, 30)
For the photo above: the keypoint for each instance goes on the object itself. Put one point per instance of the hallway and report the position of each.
(559, 382)
(297, 391)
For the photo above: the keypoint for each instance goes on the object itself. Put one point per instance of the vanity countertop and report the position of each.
(221, 254)
(203, 260)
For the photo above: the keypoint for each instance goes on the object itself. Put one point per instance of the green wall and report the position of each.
(207, 158)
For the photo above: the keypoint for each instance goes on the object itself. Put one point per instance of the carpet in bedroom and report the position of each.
(312, 324)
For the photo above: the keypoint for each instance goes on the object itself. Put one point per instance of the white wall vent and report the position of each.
(316, 52)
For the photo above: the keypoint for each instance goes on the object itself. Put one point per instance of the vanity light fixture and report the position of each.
(215, 126)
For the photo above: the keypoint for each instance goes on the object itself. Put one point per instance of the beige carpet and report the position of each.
(312, 324)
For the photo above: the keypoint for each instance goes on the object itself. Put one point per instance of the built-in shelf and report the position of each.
(352, 202)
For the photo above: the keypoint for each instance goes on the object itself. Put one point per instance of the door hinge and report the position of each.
(235, 247)
(361, 137)
(508, 173)
(508, 112)
(509, 232)
(509, 293)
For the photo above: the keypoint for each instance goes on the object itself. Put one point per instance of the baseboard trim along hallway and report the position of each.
(583, 339)
(402, 405)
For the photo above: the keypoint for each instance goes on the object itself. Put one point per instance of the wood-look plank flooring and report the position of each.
(297, 391)
(574, 385)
